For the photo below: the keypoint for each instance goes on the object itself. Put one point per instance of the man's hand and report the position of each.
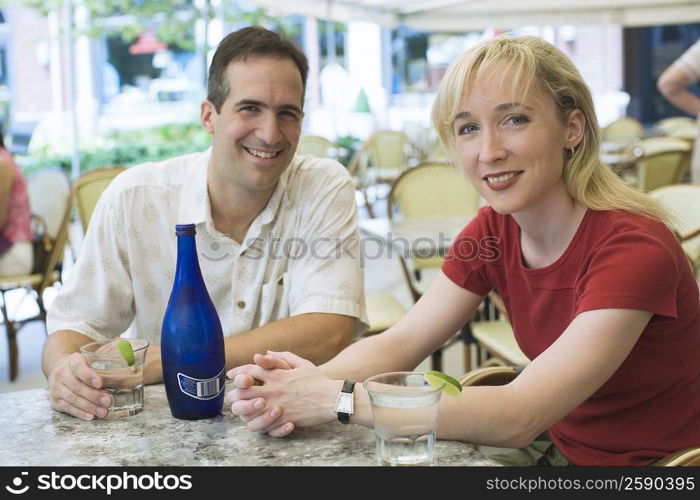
(73, 389)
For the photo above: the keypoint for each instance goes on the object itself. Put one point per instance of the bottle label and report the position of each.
(199, 388)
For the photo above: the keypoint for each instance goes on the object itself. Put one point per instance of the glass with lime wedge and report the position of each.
(119, 364)
(450, 385)
(127, 353)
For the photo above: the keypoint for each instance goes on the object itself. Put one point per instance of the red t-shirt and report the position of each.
(651, 405)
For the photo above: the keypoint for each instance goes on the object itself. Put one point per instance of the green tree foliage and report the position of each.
(173, 20)
(125, 148)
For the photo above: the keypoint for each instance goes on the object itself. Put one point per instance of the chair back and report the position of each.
(623, 130)
(317, 146)
(688, 133)
(429, 190)
(664, 161)
(88, 188)
(683, 201)
(49, 196)
(489, 375)
(379, 162)
(687, 457)
(437, 152)
(388, 149)
(668, 126)
(432, 189)
(52, 267)
(419, 137)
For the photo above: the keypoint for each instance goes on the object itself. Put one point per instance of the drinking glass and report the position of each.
(405, 416)
(123, 382)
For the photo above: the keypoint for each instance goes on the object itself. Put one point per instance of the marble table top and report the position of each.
(36, 435)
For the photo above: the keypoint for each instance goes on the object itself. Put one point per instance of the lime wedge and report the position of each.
(126, 351)
(451, 386)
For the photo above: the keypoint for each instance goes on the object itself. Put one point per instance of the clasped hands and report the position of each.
(279, 392)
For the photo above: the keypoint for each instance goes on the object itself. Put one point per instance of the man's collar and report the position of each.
(195, 204)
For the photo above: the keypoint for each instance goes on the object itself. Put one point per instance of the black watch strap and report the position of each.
(348, 387)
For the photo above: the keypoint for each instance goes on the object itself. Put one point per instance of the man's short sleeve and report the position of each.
(97, 298)
(326, 276)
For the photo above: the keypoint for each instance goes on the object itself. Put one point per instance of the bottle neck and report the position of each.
(187, 268)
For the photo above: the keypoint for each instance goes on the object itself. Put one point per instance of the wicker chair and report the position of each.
(683, 201)
(383, 311)
(493, 336)
(427, 191)
(49, 198)
(661, 161)
(669, 126)
(88, 188)
(623, 131)
(379, 162)
(437, 152)
(317, 146)
(687, 457)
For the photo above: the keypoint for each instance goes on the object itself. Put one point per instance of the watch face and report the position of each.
(344, 404)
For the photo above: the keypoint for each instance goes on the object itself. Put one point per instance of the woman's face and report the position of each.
(513, 150)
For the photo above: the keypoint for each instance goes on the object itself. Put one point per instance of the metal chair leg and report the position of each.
(12, 348)
(368, 206)
(471, 360)
(436, 360)
(11, 333)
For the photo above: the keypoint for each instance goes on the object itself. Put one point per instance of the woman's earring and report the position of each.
(572, 150)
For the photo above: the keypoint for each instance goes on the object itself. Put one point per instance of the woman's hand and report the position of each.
(281, 391)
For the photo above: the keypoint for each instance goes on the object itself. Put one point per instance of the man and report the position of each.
(276, 234)
(674, 85)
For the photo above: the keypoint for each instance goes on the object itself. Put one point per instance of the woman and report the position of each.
(16, 255)
(600, 294)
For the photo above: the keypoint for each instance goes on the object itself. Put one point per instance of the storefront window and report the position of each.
(409, 55)
(149, 71)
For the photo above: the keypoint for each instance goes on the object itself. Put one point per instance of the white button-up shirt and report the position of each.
(300, 255)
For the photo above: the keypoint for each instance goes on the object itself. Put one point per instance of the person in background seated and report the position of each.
(600, 295)
(276, 234)
(16, 254)
(673, 85)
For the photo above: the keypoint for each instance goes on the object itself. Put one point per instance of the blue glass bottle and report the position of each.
(192, 342)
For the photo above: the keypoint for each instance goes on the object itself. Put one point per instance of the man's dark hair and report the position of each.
(245, 43)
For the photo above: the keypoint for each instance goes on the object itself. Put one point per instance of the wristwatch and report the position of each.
(344, 405)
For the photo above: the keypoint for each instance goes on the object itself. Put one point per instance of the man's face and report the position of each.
(257, 130)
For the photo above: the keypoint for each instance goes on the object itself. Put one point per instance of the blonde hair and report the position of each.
(533, 61)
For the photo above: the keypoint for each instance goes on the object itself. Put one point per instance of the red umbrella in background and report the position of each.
(147, 43)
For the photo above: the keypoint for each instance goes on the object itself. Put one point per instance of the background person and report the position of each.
(599, 292)
(673, 85)
(16, 254)
(249, 196)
